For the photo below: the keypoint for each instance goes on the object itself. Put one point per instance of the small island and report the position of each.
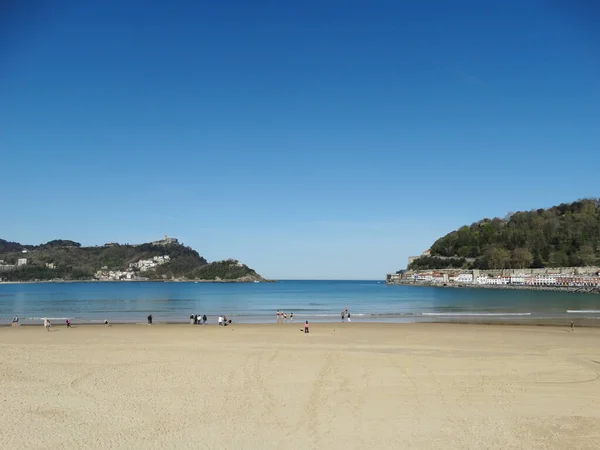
(162, 260)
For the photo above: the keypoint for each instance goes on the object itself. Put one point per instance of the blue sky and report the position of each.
(315, 139)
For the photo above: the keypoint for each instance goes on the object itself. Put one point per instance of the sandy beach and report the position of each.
(401, 386)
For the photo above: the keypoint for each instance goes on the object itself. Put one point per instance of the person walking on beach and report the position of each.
(284, 318)
(47, 324)
(106, 322)
(204, 319)
(572, 326)
(306, 330)
(68, 322)
(278, 317)
(291, 317)
(342, 315)
(15, 322)
(349, 320)
(149, 319)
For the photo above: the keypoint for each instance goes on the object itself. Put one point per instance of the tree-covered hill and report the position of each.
(567, 235)
(68, 260)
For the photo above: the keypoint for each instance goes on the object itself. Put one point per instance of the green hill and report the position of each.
(567, 235)
(68, 260)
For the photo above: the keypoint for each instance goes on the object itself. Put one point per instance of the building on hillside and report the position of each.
(166, 241)
(412, 258)
(22, 262)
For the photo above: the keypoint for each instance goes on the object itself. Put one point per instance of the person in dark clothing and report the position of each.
(204, 319)
(149, 319)
(195, 319)
(306, 327)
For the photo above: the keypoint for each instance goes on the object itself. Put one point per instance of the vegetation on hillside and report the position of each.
(219, 270)
(567, 235)
(68, 260)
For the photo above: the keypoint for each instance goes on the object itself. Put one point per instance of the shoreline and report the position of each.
(581, 322)
(507, 287)
(138, 281)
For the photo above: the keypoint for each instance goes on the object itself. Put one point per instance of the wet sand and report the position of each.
(401, 386)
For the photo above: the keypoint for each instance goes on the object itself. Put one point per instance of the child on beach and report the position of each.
(68, 322)
(306, 327)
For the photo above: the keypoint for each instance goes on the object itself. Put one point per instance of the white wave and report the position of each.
(583, 311)
(470, 314)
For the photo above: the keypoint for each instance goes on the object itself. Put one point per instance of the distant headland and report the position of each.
(161, 260)
(556, 248)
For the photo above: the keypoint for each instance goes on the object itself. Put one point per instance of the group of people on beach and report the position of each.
(223, 321)
(283, 317)
(345, 314)
(196, 319)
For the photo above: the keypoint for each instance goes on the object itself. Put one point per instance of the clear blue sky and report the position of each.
(314, 139)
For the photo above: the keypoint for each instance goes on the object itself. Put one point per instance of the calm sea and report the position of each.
(257, 302)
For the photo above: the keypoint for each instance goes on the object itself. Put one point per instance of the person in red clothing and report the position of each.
(306, 327)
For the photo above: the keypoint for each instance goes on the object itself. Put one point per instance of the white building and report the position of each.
(464, 278)
(21, 261)
(517, 279)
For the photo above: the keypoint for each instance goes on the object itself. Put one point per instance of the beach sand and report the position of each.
(343, 386)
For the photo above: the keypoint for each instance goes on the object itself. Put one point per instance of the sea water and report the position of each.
(367, 301)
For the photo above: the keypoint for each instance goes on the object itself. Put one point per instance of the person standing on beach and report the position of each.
(47, 324)
(149, 319)
(572, 326)
(68, 322)
(284, 318)
(343, 316)
(204, 319)
(278, 316)
(291, 317)
(349, 320)
(306, 330)
(15, 322)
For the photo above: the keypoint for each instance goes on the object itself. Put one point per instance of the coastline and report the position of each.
(550, 322)
(564, 289)
(137, 281)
